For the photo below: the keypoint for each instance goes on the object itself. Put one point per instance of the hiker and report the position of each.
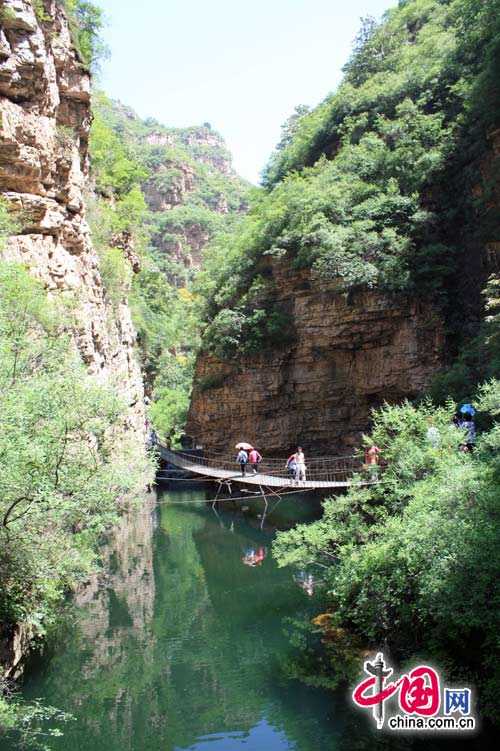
(152, 439)
(372, 454)
(242, 460)
(469, 426)
(254, 458)
(300, 468)
(291, 466)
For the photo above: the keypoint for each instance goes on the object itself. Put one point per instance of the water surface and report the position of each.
(182, 646)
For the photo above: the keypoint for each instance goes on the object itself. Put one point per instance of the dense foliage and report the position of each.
(378, 185)
(59, 476)
(61, 473)
(412, 562)
(85, 22)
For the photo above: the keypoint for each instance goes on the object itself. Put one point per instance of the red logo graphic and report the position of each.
(419, 691)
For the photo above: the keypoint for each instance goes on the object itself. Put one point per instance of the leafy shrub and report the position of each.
(40, 11)
(60, 472)
(392, 556)
(116, 275)
(214, 381)
(9, 225)
(253, 331)
(29, 723)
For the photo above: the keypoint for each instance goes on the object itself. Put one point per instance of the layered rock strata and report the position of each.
(44, 127)
(348, 353)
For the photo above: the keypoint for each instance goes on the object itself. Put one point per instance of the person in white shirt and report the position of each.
(300, 466)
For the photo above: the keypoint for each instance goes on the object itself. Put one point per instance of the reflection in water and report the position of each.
(254, 556)
(306, 582)
(181, 646)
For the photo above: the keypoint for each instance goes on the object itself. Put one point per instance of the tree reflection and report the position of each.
(182, 646)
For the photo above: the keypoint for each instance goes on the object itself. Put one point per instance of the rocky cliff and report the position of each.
(189, 183)
(44, 129)
(348, 354)
(388, 189)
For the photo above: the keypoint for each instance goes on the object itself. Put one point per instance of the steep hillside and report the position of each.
(160, 194)
(72, 425)
(380, 211)
(188, 182)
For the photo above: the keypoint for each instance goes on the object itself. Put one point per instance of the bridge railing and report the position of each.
(319, 469)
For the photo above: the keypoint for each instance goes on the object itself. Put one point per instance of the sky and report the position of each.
(241, 66)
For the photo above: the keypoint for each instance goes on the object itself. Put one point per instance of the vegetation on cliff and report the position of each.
(412, 562)
(60, 471)
(161, 194)
(385, 184)
(60, 475)
(381, 185)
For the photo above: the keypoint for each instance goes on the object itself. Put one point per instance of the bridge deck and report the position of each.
(271, 478)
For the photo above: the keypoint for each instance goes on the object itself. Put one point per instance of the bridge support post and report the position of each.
(266, 507)
(222, 484)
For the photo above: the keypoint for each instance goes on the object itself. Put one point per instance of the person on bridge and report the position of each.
(300, 466)
(242, 460)
(372, 459)
(254, 458)
(291, 466)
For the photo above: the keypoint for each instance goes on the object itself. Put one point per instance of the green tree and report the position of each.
(60, 475)
(85, 22)
(397, 558)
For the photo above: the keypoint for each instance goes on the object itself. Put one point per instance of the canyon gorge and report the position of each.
(149, 293)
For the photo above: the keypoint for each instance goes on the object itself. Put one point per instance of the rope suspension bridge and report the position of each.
(271, 481)
(322, 473)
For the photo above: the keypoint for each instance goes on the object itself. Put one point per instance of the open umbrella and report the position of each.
(244, 446)
(467, 409)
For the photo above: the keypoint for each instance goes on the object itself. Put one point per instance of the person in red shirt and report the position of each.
(254, 458)
(372, 458)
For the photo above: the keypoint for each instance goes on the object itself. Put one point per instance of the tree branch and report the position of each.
(11, 508)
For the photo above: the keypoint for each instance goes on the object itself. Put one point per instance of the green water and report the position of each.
(182, 646)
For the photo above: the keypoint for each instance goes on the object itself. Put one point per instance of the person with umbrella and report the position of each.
(242, 457)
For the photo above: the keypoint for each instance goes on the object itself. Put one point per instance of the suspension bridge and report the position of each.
(322, 472)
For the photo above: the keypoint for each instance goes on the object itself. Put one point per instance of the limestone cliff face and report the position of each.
(44, 127)
(175, 182)
(191, 185)
(349, 353)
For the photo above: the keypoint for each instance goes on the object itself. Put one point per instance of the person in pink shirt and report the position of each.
(254, 458)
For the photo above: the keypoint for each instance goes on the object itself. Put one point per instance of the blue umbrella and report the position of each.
(467, 409)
